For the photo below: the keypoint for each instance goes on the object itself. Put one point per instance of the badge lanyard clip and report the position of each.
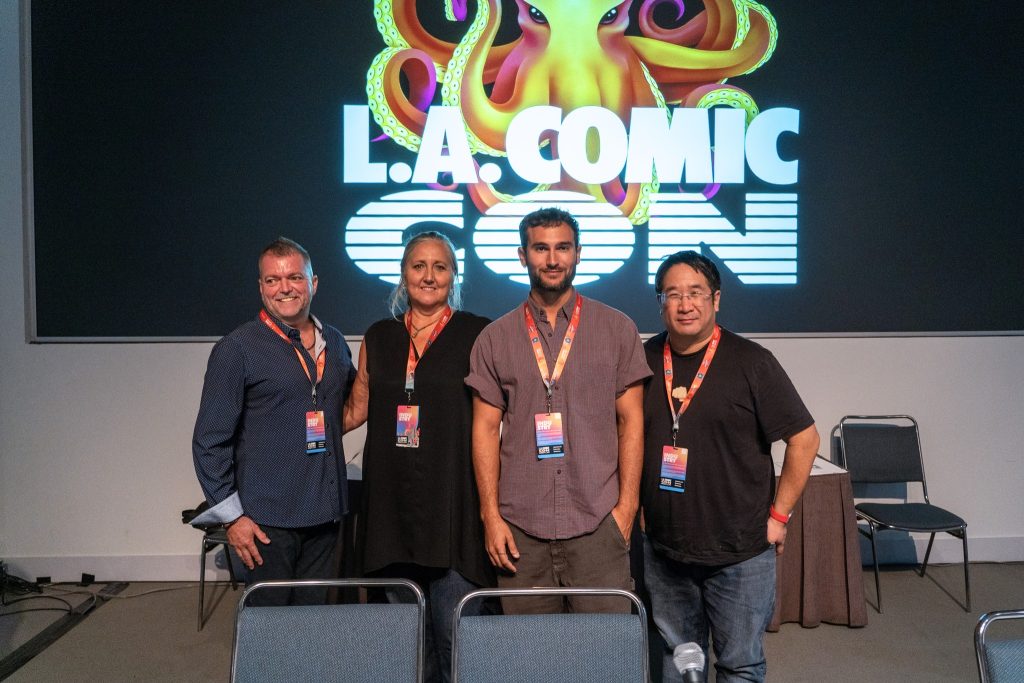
(563, 354)
(321, 360)
(702, 371)
(414, 358)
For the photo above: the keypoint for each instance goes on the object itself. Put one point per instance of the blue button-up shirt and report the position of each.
(249, 445)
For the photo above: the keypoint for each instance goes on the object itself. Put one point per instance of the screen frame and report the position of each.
(29, 233)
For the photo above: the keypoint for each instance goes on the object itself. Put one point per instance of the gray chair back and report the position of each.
(550, 647)
(999, 661)
(357, 643)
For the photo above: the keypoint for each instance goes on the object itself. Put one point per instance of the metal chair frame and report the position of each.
(981, 646)
(875, 525)
(213, 537)
(513, 592)
(337, 583)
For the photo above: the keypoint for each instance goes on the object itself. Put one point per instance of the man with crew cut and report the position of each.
(557, 430)
(267, 444)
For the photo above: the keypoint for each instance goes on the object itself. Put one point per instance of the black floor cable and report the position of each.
(74, 616)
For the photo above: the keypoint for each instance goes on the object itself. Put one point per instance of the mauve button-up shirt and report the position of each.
(558, 498)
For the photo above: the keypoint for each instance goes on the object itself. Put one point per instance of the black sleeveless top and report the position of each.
(420, 505)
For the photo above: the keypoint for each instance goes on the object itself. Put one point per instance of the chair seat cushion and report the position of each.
(911, 516)
(1006, 660)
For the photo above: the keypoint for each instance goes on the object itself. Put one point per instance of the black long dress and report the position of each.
(420, 505)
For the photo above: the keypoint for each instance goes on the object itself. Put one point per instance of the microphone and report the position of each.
(689, 660)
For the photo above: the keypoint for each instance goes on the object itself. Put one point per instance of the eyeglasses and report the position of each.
(696, 297)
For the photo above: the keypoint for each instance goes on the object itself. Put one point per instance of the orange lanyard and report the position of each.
(709, 354)
(414, 358)
(320, 360)
(563, 354)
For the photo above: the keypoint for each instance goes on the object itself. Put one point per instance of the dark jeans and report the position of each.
(443, 589)
(733, 602)
(599, 559)
(303, 553)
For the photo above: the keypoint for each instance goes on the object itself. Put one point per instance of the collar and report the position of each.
(698, 352)
(564, 312)
(292, 332)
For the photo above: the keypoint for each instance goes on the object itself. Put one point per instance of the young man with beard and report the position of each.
(558, 430)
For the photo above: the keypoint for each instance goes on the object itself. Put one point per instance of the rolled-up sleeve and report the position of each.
(632, 366)
(483, 375)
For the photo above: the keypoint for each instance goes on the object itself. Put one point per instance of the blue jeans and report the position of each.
(733, 602)
(442, 595)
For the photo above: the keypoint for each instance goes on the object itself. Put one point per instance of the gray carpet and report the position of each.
(924, 634)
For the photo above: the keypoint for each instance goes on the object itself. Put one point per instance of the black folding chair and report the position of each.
(886, 449)
(214, 536)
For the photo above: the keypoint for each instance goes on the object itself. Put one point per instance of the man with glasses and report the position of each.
(714, 520)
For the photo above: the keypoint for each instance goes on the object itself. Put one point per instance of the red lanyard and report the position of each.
(563, 354)
(320, 360)
(414, 358)
(694, 386)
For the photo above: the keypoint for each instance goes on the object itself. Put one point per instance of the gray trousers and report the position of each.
(599, 559)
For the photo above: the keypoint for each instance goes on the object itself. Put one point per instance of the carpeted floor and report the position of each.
(148, 633)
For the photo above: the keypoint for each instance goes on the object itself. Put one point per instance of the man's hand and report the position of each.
(501, 547)
(242, 535)
(624, 520)
(776, 534)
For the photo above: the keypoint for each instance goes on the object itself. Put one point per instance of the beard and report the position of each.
(558, 287)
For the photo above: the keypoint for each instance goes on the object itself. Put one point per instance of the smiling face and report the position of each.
(287, 286)
(690, 306)
(428, 276)
(550, 257)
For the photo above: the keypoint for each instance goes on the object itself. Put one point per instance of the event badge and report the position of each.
(407, 434)
(550, 443)
(673, 469)
(316, 432)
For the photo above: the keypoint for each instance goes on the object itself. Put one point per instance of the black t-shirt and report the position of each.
(745, 403)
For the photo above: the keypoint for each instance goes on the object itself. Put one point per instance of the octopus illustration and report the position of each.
(570, 54)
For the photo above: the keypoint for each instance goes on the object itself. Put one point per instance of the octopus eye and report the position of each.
(610, 15)
(537, 15)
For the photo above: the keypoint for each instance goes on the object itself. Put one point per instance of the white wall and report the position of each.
(95, 460)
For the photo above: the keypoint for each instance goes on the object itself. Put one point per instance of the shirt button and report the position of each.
(558, 471)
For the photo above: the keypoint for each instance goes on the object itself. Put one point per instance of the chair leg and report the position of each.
(967, 572)
(927, 554)
(202, 582)
(874, 557)
(231, 567)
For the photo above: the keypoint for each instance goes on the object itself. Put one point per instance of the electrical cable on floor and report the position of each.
(67, 609)
(38, 597)
(62, 610)
(54, 587)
